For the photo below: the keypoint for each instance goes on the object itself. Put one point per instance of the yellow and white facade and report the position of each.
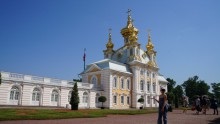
(127, 73)
(123, 76)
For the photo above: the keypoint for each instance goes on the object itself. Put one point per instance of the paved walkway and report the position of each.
(175, 117)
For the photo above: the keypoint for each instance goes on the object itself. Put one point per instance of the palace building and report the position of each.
(123, 76)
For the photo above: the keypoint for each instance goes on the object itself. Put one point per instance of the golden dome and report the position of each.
(109, 45)
(130, 31)
(149, 46)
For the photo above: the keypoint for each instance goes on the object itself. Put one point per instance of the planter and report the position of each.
(102, 107)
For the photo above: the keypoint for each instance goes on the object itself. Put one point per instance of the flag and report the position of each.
(84, 56)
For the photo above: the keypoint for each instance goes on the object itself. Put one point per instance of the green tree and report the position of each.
(190, 87)
(176, 101)
(202, 88)
(178, 91)
(193, 86)
(170, 85)
(102, 99)
(74, 101)
(216, 90)
(170, 97)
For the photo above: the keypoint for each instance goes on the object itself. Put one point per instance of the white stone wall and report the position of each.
(105, 81)
(4, 93)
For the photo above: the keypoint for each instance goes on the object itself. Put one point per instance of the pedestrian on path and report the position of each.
(185, 104)
(162, 112)
(214, 105)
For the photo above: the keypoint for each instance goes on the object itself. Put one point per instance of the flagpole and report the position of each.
(84, 58)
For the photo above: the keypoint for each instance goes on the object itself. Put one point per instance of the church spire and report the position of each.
(129, 32)
(151, 52)
(109, 46)
(149, 46)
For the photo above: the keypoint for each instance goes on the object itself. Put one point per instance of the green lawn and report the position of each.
(40, 114)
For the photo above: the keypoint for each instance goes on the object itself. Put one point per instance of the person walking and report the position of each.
(162, 112)
(214, 105)
(198, 106)
(185, 104)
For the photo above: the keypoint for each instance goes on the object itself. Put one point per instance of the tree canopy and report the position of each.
(193, 86)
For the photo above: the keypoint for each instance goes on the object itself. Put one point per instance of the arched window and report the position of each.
(14, 93)
(69, 95)
(97, 98)
(142, 85)
(85, 97)
(115, 82)
(36, 94)
(94, 80)
(54, 96)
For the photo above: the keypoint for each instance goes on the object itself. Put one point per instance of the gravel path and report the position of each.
(175, 117)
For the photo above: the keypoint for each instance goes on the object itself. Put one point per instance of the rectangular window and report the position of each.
(16, 95)
(154, 87)
(38, 97)
(56, 98)
(128, 84)
(148, 86)
(122, 99)
(142, 85)
(52, 98)
(148, 99)
(115, 99)
(128, 100)
(115, 82)
(11, 95)
(122, 84)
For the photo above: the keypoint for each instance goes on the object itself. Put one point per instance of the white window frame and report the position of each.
(14, 93)
(128, 100)
(148, 99)
(115, 82)
(142, 85)
(128, 84)
(115, 99)
(154, 87)
(122, 83)
(148, 86)
(54, 96)
(122, 99)
(36, 94)
(85, 97)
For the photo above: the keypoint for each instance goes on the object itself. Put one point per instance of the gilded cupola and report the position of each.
(109, 45)
(151, 52)
(129, 32)
(149, 46)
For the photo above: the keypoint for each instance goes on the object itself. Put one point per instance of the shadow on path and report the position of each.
(215, 121)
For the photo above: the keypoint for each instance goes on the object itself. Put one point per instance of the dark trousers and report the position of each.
(162, 115)
(216, 109)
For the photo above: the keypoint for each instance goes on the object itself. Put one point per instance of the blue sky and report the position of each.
(47, 37)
